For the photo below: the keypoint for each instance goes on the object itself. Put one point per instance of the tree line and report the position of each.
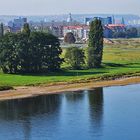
(131, 32)
(35, 52)
(91, 57)
(29, 52)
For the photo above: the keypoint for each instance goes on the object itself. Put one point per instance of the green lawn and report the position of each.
(121, 58)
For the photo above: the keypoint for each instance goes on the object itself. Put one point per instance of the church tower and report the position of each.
(113, 20)
(122, 22)
(69, 19)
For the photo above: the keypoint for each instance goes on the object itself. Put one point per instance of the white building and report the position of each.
(80, 32)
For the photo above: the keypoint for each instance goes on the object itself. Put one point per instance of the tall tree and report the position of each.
(25, 49)
(26, 29)
(95, 44)
(1, 29)
(9, 60)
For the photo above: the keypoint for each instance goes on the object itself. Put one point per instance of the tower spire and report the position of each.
(122, 22)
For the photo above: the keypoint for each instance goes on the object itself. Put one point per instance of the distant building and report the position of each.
(123, 22)
(56, 30)
(87, 20)
(69, 19)
(11, 24)
(117, 27)
(104, 21)
(7, 29)
(107, 32)
(20, 22)
(113, 20)
(17, 24)
(80, 32)
(110, 29)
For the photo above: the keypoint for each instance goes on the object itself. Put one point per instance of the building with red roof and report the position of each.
(79, 31)
(117, 27)
(82, 31)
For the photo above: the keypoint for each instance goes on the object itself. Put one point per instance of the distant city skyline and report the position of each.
(53, 7)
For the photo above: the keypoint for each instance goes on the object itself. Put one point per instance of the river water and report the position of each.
(111, 113)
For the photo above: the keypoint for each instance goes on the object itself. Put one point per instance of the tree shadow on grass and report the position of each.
(117, 65)
(64, 73)
(114, 65)
(133, 65)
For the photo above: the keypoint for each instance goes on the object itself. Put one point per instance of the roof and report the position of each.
(115, 25)
(76, 27)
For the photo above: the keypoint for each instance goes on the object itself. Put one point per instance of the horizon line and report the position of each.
(68, 13)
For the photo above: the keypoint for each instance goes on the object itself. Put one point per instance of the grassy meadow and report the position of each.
(122, 58)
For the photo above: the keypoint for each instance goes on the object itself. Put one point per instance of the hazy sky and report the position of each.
(45, 7)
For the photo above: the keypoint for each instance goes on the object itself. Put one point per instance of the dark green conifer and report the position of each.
(95, 44)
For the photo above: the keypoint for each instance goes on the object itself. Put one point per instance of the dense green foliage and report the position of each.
(95, 45)
(29, 52)
(75, 57)
(132, 32)
(69, 38)
(119, 60)
(26, 29)
(129, 33)
(119, 35)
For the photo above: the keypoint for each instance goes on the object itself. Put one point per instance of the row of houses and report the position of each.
(113, 28)
(81, 32)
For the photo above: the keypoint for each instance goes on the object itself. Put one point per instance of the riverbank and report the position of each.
(121, 60)
(32, 91)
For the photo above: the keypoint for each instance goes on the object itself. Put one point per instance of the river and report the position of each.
(110, 113)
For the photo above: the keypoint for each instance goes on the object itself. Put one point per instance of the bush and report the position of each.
(69, 38)
(74, 57)
(132, 33)
(119, 35)
(2, 88)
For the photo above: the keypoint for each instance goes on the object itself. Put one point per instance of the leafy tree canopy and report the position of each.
(74, 57)
(24, 53)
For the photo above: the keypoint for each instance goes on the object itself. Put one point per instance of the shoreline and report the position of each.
(33, 91)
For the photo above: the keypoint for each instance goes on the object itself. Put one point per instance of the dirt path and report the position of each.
(29, 91)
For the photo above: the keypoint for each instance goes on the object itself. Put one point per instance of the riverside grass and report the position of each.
(121, 59)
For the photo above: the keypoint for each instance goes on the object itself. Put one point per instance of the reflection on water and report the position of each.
(82, 115)
(23, 111)
(96, 108)
(24, 108)
(75, 97)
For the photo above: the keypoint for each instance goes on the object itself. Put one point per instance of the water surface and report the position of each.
(111, 113)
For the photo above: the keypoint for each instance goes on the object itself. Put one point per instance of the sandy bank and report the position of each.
(25, 92)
